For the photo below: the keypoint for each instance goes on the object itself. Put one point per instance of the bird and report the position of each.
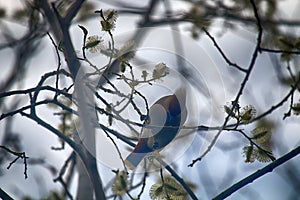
(161, 126)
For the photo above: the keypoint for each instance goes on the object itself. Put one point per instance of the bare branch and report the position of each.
(73, 10)
(222, 53)
(249, 179)
(18, 155)
(243, 85)
(4, 195)
(182, 182)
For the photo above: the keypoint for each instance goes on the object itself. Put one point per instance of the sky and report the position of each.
(218, 165)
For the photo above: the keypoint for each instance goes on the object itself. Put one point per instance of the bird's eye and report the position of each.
(147, 120)
(143, 117)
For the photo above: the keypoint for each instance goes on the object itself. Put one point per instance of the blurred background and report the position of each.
(168, 32)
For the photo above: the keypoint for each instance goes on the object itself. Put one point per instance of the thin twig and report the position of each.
(279, 104)
(62, 172)
(182, 182)
(163, 182)
(243, 85)
(58, 64)
(18, 155)
(279, 51)
(267, 153)
(222, 53)
(117, 148)
(143, 185)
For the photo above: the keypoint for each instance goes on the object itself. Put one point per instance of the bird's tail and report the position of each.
(134, 159)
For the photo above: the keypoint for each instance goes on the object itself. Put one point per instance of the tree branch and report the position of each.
(72, 11)
(222, 53)
(243, 85)
(18, 155)
(4, 195)
(182, 182)
(258, 174)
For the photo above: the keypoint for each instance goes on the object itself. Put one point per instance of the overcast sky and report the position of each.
(222, 85)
